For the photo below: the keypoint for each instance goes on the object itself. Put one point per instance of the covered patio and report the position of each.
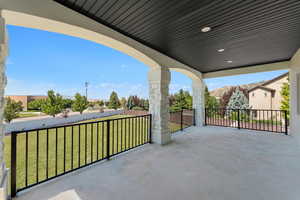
(202, 39)
(200, 163)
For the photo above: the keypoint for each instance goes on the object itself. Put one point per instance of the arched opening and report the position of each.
(31, 21)
(185, 99)
(39, 148)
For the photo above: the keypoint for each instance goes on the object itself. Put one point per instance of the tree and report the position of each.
(80, 103)
(130, 103)
(144, 103)
(36, 104)
(189, 100)
(53, 104)
(210, 101)
(114, 102)
(12, 109)
(67, 103)
(285, 94)
(238, 100)
(100, 103)
(123, 102)
(180, 100)
(226, 96)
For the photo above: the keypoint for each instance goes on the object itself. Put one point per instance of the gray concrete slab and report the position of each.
(203, 163)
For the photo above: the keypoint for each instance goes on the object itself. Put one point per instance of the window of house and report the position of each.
(266, 94)
(253, 94)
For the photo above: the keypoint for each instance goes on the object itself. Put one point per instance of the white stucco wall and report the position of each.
(294, 76)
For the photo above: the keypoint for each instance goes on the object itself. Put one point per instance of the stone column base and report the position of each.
(4, 185)
(162, 139)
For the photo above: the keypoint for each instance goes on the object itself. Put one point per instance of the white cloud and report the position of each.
(19, 87)
(9, 62)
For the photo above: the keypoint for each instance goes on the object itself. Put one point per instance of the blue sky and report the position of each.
(41, 60)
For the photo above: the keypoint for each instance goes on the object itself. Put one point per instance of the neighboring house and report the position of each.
(267, 95)
(25, 99)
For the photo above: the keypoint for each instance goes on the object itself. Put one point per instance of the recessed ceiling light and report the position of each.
(229, 61)
(205, 29)
(221, 50)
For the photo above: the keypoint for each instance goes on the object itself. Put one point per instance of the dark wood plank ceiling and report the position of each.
(251, 31)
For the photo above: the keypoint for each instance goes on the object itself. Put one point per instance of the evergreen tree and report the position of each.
(226, 96)
(12, 109)
(114, 102)
(210, 101)
(80, 103)
(130, 103)
(285, 94)
(53, 104)
(238, 100)
(180, 101)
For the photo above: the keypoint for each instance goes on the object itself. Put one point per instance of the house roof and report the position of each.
(207, 35)
(263, 86)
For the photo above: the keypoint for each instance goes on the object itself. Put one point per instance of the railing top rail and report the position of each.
(78, 124)
(243, 109)
(182, 110)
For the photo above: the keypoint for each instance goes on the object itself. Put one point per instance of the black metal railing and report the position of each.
(254, 119)
(182, 119)
(40, 155)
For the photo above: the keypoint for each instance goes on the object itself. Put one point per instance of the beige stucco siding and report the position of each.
(260, 99)
(277, 85)
(263, 99)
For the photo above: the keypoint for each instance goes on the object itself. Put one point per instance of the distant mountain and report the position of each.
(218, 93)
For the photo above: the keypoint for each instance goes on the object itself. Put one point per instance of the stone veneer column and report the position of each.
(198, 100)
(3, 55)
(294, 74)
(159, 79)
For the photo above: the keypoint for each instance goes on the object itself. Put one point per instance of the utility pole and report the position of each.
(86, 89)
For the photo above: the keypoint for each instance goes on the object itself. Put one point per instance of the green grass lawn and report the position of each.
(24, 114)
(89, 145)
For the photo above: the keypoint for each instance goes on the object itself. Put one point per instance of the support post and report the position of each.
(198, 101)
(159, 79)
(13, 169)
(181, 120)
(239, 119)
(3, 55)
(294, 78)
(205, 117)
(285, 123)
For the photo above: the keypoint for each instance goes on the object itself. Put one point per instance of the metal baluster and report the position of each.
(92, 145)
(47, 153)
(37, 157)
(108, 139)
(26, 160)
(64, 149)
(85, 141)
(79, 144)
(72, 148)
(56, 140)
(97, 148)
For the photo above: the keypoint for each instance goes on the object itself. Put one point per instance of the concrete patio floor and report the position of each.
(201, 163)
